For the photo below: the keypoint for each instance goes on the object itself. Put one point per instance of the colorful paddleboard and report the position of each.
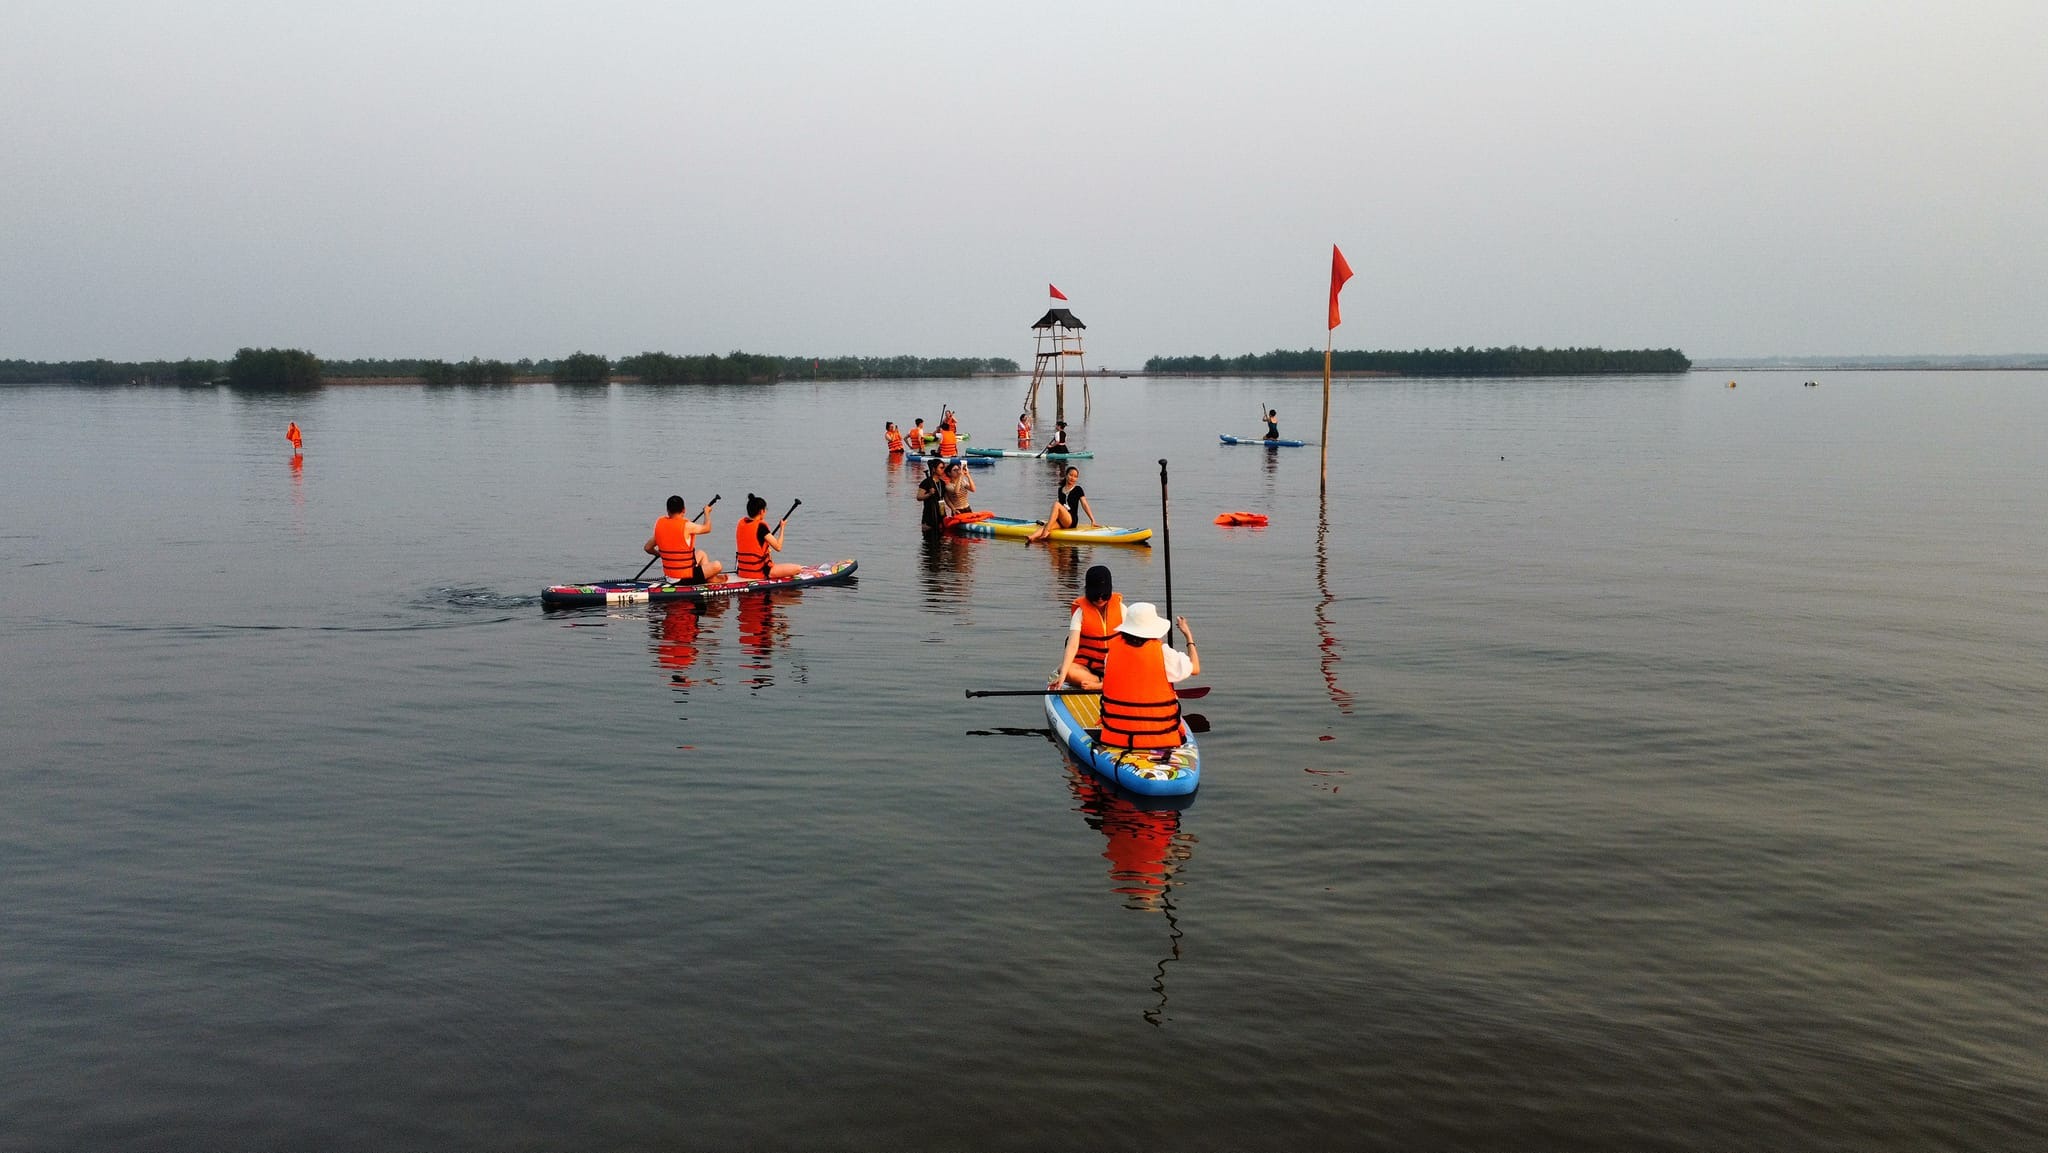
(1077, 719)
(1010, 527)
(625, 592)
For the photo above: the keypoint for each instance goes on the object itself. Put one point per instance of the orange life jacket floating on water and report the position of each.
(1098, 625)
(1236, 518)
(1139, 708)
(967, 517)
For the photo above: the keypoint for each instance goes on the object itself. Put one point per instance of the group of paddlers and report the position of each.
(1121, 652)
(754, 545)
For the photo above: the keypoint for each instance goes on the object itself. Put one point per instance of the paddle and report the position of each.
(1166, 545)
(1190, 693)
(700, 516)
(785, 516)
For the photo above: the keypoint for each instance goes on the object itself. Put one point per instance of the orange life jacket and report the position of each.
(749, 550)
(949, 441)
(1097, 626)
(1023, 433)
(1139, 709)
(677, 548)
(917, 438)
(895, 441)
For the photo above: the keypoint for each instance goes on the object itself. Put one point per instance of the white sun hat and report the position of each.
(1143, 620)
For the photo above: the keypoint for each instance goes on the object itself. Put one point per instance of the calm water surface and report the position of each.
(1609, 764)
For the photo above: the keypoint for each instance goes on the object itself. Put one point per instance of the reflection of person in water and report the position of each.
(1145, 846)
(678, 639)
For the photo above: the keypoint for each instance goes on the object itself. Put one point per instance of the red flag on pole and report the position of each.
(1056, 293)
(1339, 273)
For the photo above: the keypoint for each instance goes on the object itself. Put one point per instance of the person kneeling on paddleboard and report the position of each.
(1097, 613)
(754, 544)
(1139, 670)
(1067, 508)
(675, 542)
(1272, 419)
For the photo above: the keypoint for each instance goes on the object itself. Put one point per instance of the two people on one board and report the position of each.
(1123, 655)
(754, 543)
(1068, 507)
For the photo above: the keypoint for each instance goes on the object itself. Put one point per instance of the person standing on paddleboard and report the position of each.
(1097, 613)
(1139, 670)
(1067, 508)
(675, 542)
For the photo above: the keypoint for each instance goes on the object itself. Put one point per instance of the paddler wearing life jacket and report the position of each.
(916, 437)
(949, 437)
(1097, 613)
(754, 546)
(675, 542)
(1139, 670)
(1023, 430)
(895, 436)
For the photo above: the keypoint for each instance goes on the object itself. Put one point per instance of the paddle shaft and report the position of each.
(1190, 693)
(1166, 544)
(700, 516)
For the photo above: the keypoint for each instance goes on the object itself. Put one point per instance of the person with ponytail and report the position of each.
(1097, 613)
(755, 544)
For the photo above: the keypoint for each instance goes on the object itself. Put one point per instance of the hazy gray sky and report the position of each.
(1730, 177)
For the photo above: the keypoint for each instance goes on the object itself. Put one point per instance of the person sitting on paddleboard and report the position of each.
(931, 489)
(1139, 670)
(1058, 443)
(1097, 613)
(754, 544)
(1272, 419)
(895, 436)
(1067, 508)
(675, 542)
(958, 482)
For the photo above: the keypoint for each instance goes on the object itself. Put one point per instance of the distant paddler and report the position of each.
(1139, 670)
(298, 439)
(1097, 613)
(675, 542)
(1057, 446)
(1272, 419)
(754, 544)
(949, 436)
(1068, 507)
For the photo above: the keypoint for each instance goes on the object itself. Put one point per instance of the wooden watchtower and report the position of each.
(1059, 338)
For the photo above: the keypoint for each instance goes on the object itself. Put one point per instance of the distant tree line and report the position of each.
(109, 371)
(1510, 361)
(294, 368)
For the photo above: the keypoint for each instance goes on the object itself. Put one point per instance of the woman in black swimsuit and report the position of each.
(1067, 508)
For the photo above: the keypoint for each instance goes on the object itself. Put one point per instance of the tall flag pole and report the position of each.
(1339, 273)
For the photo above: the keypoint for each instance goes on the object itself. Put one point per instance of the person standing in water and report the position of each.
(1023, 430)
(959, 482)
(754, 545)
(895, 436)
(931, 489)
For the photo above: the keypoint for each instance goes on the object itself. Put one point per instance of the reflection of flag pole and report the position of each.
(1339, 273)
(1339, 696)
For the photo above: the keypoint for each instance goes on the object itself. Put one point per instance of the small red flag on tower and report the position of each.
(1339, 273)
(1056, 293)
